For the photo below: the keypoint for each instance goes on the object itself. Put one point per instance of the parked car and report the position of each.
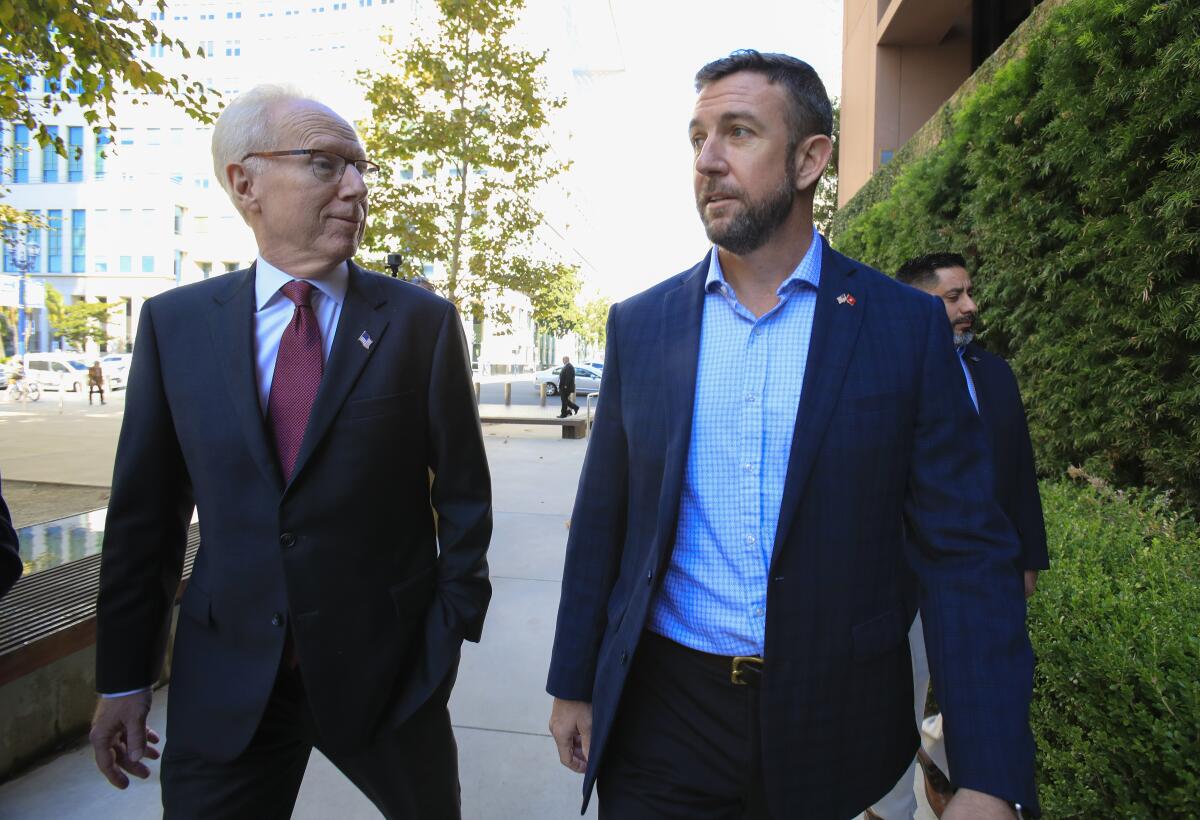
(56, 371)
(116, 369)
(587, 380)
(597, 366)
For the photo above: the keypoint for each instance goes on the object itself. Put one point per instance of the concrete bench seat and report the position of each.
(572, 426)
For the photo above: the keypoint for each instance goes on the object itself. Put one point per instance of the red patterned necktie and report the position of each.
(298, 370)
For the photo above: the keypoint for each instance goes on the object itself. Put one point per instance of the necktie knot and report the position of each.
(299, 292)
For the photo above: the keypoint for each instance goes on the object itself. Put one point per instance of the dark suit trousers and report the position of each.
(686, 744)
(410, 773)
(565, 395)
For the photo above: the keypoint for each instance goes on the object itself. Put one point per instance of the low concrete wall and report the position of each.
(51, 708)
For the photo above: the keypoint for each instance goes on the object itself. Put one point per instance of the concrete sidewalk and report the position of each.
(508, 765)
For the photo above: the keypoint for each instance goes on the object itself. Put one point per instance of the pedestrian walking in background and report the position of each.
(566, 386)
(95, 381)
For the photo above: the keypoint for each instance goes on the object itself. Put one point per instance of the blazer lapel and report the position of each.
(682, 315)
(232, 324)
(347, 358)
(835, 329)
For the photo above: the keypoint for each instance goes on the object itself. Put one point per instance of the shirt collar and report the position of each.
(809, 269)
(268, 279)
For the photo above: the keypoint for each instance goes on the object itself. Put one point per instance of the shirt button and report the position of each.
(749, 468)
(287, 540)
(750, 398)
(758, 611)
(277, 619)
(758, 331)
(750, 539)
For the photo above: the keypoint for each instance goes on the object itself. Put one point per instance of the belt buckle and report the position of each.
(741, 664)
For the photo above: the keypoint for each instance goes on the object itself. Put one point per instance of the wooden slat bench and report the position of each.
(51, 614)
(572, 426)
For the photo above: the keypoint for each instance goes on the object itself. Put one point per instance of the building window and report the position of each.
(78, 241)
(147, 264)
(102, 140)
(126, 264)
(205, 269)
(50, 156)
(230, 267)
(75, 153)
(233, 15)
(154, 136)
(50, 85)
(127, 136)
(233, 48)
(157, 50)
(100, 264)
(10, 238)
(179, 212)
(54, 241)
(20, 153)
(178, 266)
(206, 48)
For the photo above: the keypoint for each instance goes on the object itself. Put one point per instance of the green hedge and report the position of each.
(1071, 180)
(1116, 706)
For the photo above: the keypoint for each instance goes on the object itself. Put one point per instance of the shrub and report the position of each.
(1116, 706)
(1071, 179)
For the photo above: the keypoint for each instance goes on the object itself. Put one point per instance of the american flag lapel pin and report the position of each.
(846, 299)
(365, 340)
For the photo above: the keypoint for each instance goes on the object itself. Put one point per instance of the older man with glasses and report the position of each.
(300, 406)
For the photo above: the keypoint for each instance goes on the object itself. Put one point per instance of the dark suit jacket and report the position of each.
(566, 379)
(879, 439)
(346, 552)
(1003, 418)
(10, 555)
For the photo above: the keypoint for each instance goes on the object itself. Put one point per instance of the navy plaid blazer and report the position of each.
(885, 434)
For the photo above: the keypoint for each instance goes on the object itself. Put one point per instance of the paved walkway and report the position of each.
(509, 767)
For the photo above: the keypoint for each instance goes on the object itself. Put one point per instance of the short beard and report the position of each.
(750, 229)
(963, 339)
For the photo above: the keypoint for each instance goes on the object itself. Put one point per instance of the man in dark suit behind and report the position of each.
(566, 386)
(731, 633)
(990, 383)
(10, 555)
(301, 406)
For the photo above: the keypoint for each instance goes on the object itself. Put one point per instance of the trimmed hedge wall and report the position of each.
(1071, 180)
(1116, 705)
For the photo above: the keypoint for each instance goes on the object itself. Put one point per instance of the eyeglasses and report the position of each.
(326, 167)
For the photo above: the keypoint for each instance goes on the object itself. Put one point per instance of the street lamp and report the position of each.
(21, 256)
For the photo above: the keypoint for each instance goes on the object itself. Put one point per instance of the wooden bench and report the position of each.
(51, 614)
(572, 426)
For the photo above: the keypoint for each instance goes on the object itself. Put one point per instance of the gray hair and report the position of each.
(246, 125)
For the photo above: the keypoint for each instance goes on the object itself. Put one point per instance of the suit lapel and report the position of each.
(682, 315)
(835, 331)
(232, 324)
(360, 313)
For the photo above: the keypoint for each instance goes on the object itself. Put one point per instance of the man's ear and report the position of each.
(242, 188)
(811, 158)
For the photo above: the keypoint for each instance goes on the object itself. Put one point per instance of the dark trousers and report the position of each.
(686, 744)
(565, 395)
(92, 390)
(410, 773)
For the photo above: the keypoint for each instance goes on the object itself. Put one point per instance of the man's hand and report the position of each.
(120, 737)
(571, 726)
(1030, 581)
(973, 805)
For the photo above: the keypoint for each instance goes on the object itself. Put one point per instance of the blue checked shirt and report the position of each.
(750, 374)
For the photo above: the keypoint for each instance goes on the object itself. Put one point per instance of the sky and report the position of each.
(630, 219)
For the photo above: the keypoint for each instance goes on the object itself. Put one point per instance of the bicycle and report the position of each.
(22, 390)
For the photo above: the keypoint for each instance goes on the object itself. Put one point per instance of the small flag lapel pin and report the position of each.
(846, 299)
(365, 340)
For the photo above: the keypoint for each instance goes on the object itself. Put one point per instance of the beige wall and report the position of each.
(901, 60)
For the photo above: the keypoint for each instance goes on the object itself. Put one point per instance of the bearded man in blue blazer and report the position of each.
(738, 580)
